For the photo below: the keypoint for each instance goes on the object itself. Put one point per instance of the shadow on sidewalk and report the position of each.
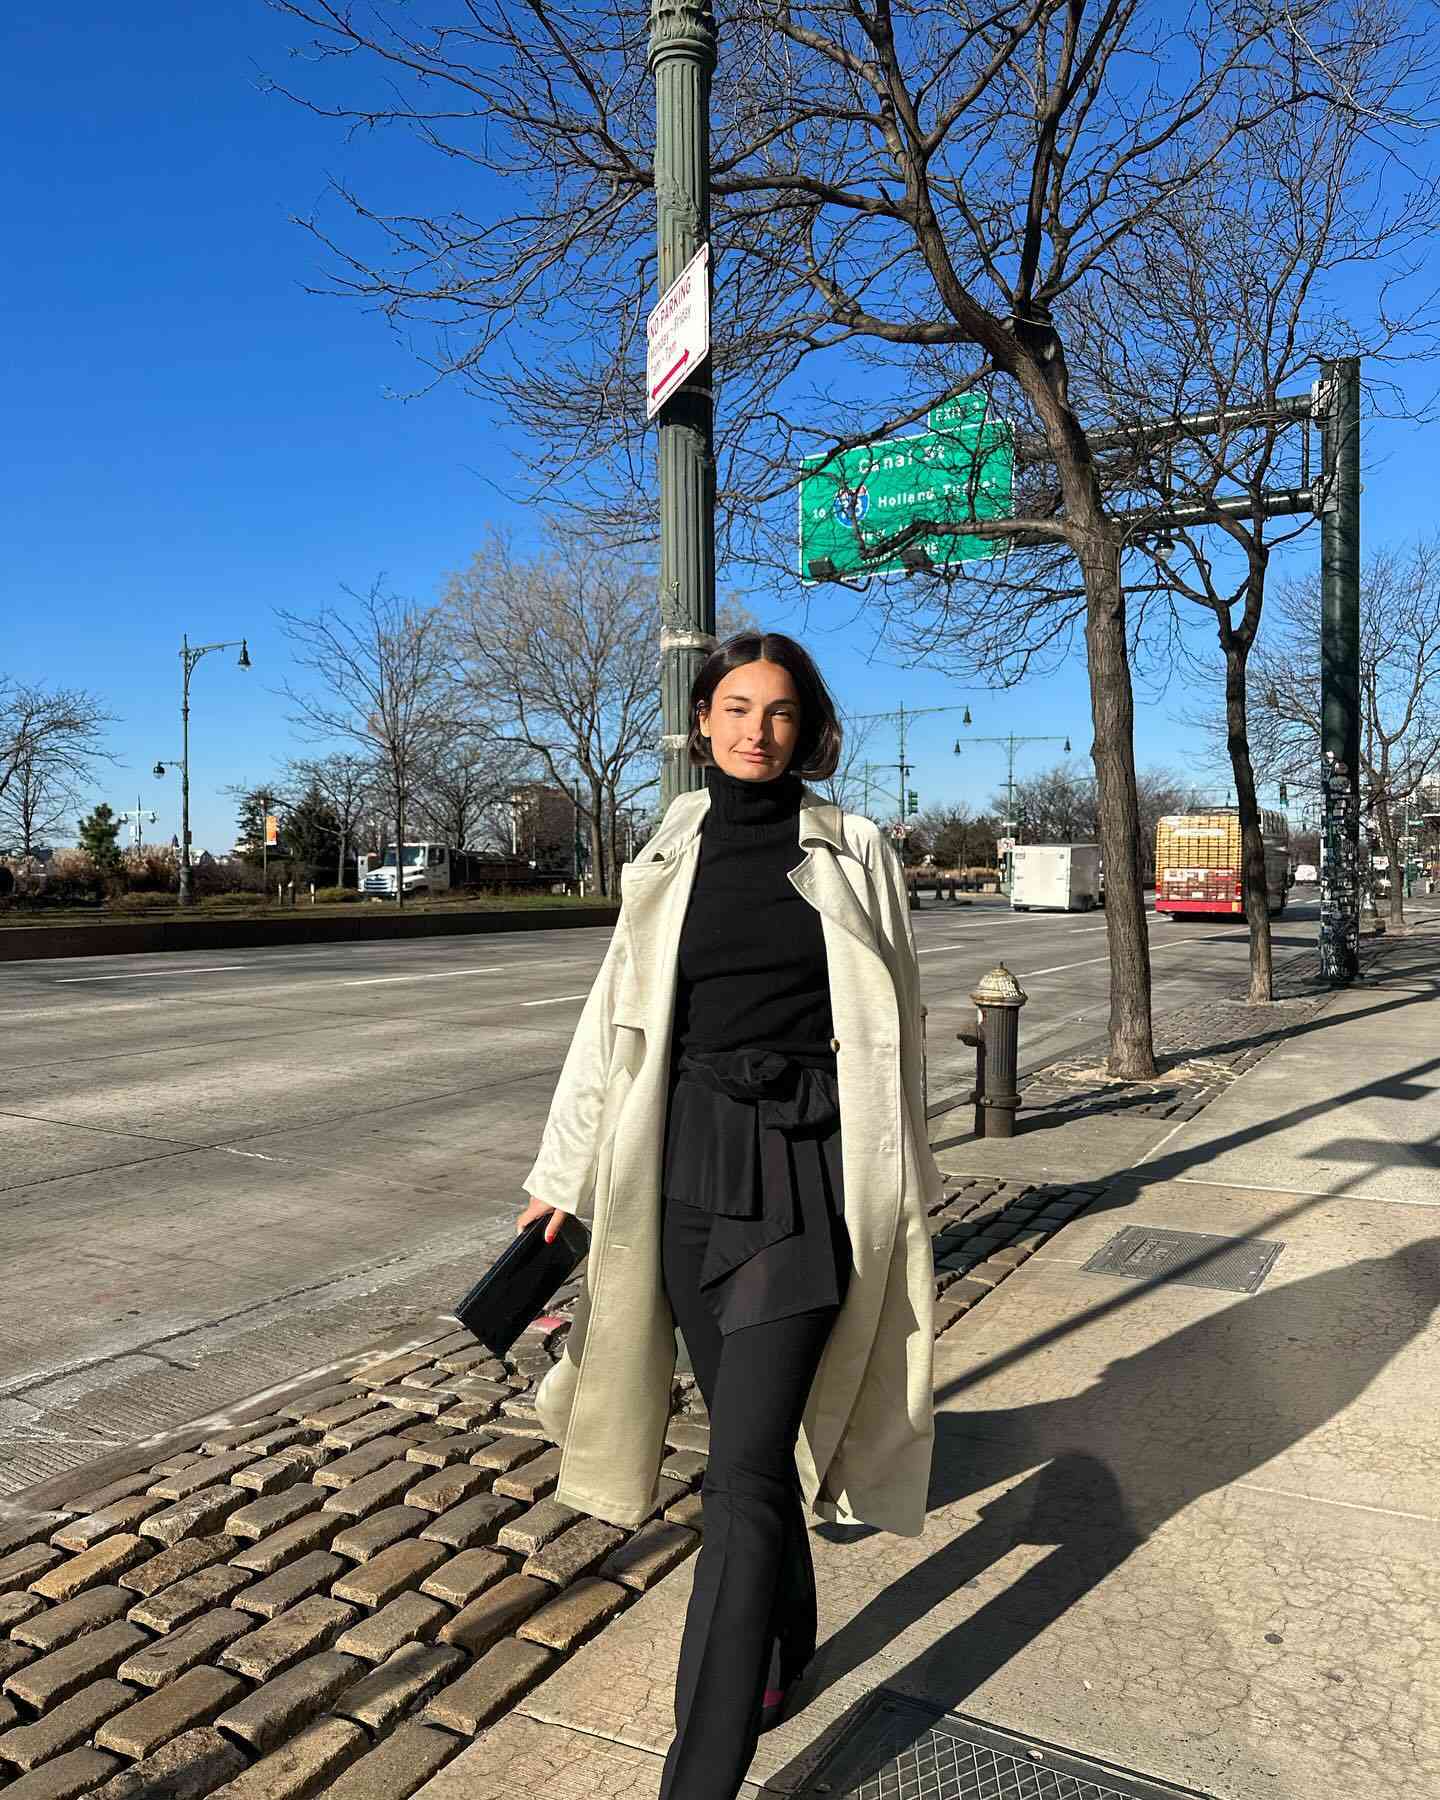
(1106, 1468)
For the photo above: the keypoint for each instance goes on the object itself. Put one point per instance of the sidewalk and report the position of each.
(1185, 1531)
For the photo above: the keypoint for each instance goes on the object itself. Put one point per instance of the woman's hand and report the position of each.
(537, 1209)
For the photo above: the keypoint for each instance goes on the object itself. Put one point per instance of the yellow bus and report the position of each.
(1199, 864)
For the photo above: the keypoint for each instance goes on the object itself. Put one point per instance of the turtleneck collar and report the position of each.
(740, 808)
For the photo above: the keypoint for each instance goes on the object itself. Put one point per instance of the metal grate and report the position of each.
(899, 1749)
(1189, 1258)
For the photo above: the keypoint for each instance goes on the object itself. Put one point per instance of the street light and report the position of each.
(1010, 745)
(190, 654)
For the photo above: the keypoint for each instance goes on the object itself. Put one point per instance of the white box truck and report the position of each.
(1054, 877)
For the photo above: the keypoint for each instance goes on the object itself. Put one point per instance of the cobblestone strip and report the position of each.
(336, 1597)
(984, 1228)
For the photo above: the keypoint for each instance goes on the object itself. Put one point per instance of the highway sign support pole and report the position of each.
(682, 59)
(1340, 672)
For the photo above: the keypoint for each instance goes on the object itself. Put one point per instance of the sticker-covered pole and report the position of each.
(682, 60)
(1340, 673)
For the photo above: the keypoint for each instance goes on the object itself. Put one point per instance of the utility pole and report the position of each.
(1010, 744)
(682, 60)
(903, 716)
(1340, 671)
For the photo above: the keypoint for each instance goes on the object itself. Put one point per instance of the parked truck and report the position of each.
(434, 868)
(1199, 863)
(1054, 877)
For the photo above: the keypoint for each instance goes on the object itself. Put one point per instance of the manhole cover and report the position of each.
(901, 1750)
(1191, 1258)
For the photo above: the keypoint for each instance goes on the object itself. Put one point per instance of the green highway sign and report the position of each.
(957, 414)
(961, 469)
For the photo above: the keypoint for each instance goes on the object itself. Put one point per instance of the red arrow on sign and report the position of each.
(669, 375)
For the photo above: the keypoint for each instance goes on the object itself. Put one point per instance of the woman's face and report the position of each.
(753, 721)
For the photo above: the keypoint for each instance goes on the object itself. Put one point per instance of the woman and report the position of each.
(740, 1115)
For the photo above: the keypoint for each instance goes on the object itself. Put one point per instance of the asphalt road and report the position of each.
(219, 1169)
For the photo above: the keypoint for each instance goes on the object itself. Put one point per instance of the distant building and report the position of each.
(542, 823)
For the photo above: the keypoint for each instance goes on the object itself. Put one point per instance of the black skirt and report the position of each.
(753, 1166)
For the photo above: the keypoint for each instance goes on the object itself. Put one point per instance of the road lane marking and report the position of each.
(440, 975)
(554, 1002)
(938, 949)
(1061, 968)
(150, 974)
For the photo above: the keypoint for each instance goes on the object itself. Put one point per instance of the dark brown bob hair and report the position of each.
(817, 749)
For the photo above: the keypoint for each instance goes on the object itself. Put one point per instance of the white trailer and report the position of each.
(1056, 877)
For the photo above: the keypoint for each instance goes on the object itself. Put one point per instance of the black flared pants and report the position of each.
(754, 1580)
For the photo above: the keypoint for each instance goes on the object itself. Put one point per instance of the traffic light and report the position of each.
(1284, 794)
(912, 802)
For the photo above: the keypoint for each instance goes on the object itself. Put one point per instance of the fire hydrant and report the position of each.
(996, 1042)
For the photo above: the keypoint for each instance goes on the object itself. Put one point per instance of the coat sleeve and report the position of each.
(898, 936)
(563, 1174)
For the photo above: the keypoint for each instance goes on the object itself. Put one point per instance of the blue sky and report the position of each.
(194, 440)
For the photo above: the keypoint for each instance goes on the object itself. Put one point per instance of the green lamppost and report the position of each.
(682, 60)
(190, 654)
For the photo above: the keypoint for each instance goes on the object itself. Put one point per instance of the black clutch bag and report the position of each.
(516, 1286)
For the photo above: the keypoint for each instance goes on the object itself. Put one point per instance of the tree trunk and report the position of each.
(399, 845)
(1112, 706)
(613, 829)
(1112, 709)
(597, 837)
(340, 872)
(1252, 839)
(1385, 825)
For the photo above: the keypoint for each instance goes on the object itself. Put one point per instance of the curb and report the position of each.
(51, 1494)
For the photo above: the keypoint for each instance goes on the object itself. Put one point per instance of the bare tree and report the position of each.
(1399, 668)
(894, 184)
(37, 799)
(464, 786)
(383, 685)
(848, 788)
(1059, 805)
(961, 838)
(559, 656)
(346, 781)
(50, 748)
(1227, 306)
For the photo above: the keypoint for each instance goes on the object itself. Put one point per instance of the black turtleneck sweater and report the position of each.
(752, 968)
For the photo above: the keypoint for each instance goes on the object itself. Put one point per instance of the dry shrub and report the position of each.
(152, 869)
(130, 905)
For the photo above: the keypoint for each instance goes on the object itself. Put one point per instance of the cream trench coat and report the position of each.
(865, 1442)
